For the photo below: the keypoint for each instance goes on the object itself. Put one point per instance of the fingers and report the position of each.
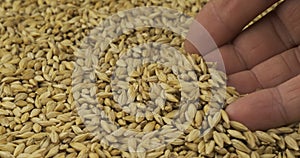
(289, 13)
(270, 36)
(224, 19)
(270, 73)
(267, 38)
(269, 108)
(245, 82)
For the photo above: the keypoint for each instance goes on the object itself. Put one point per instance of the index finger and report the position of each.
(224, 20)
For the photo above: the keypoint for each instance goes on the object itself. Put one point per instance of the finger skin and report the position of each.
(223, 20)
(268, 108)
(272, 35)
(269, 73)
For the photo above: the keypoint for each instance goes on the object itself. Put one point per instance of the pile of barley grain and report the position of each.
(41, 95)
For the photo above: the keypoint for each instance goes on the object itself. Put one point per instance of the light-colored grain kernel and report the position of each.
(239, 145)
(289, 154)
(149, 126)
(43, 90)
(77, 146)
(250, 137)
(19, 149)
(30, 149)
(236, 134)
(53, 151)
(242, 154)
(225, 138)
(54, 137)
(6, 154)
(209, 147)
(291, 143)
(238, 126)
(267, 155)
(218, 139)
(263, 136)
(193, 135)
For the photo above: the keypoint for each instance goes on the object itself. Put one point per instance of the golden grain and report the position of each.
(218, 139)
(236, 134)
(291, 143)
(239, 145)
(263, 136)
(42, 87)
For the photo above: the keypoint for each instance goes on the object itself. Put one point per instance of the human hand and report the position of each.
(265, 56)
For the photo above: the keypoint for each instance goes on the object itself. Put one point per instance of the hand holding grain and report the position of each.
(265, 56)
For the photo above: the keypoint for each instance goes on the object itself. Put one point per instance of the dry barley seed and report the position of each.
(37, 46)
(239, 145)
(250, 138)
(263, 136)
(194, 134)
(289, 154)
(218, 139)
(236, 134)
(238, 126)
(6, 154)
(242, 154)
(209, 147)
(291, 143)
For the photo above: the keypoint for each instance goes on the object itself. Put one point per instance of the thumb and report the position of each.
(268, 108)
